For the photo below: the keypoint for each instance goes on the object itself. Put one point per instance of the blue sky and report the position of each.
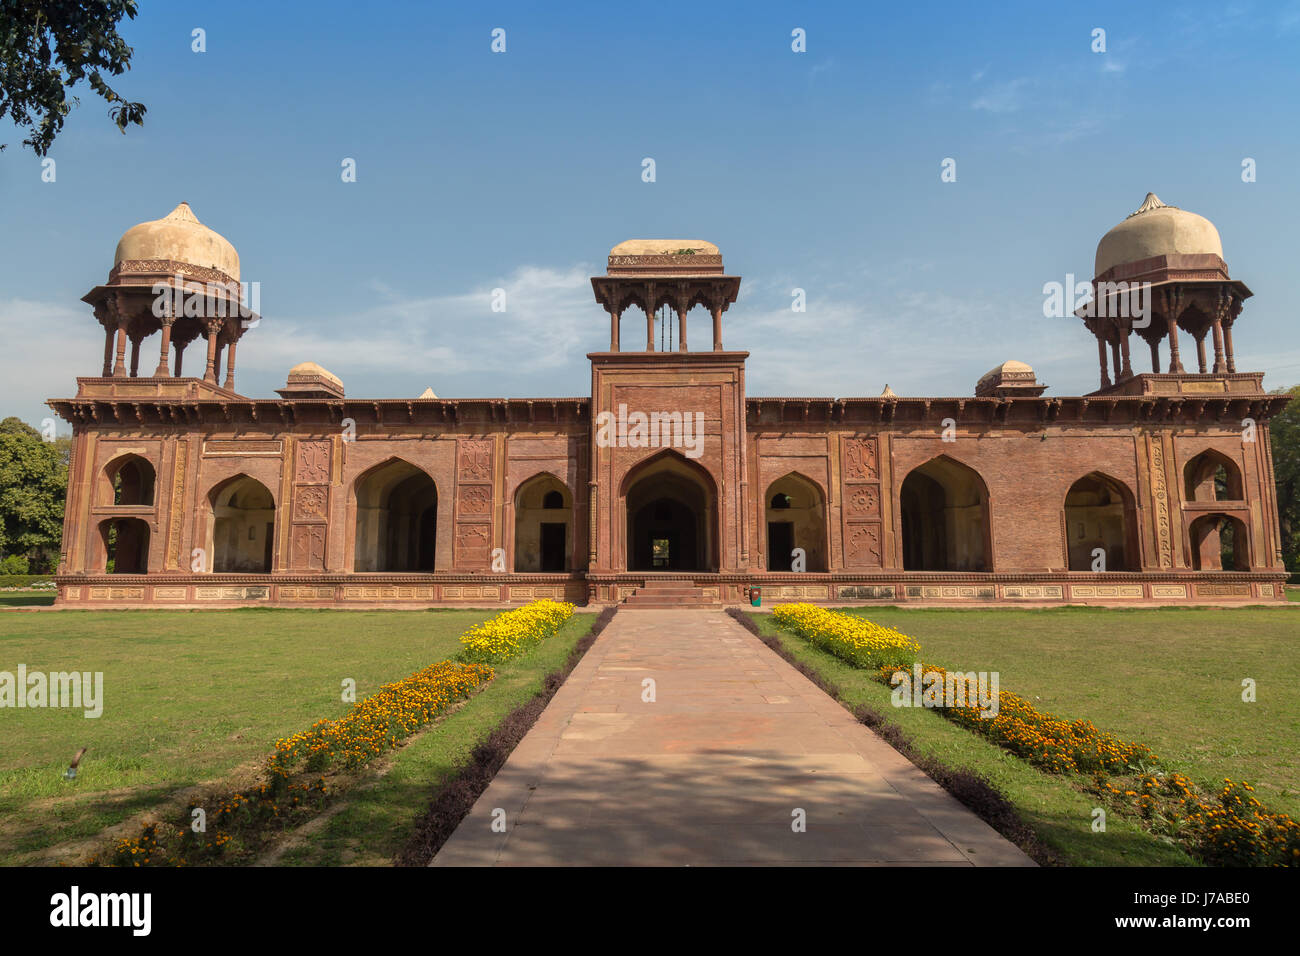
(818, 170)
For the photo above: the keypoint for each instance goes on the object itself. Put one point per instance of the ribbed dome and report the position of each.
(181, 237)
(1157, 230)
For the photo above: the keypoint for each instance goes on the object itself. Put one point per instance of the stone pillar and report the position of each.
(1219, 364)
(614, 317)
(108, 350)
(681, 331)
(1155, 356)
(1200, 352)
(119, 366)
(1101, 355)
(230, 369)
(1126, 372)
(1173, 308)
(161, 370)
(213, 328)
(180, 354)
(650, 330)
(717, 328)
(135, 355)
(1114, 359)
(1227, 344)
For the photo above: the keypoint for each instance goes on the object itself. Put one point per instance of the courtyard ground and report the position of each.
(680, 739)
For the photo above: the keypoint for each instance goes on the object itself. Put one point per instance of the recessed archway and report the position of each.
(125, 543)
(1100, 525)
(943, 506)
(671, 511)
(1212, 476)
(796, 519)
(128, 480)
(397, 519)
(241, 526)
(1220, 543)
(543, 524)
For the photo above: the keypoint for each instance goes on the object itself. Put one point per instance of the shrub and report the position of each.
(14, 564)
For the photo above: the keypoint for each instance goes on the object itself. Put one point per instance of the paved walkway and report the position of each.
(712, 771)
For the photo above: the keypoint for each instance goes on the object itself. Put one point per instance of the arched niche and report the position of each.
(670, 504)
(396, 519)
(241, 527)
(543, 525)
(795, 519)
(1101, 525)
(943, 507)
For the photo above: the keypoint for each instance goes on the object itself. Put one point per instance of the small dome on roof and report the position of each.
(1156, 229)
(180, 237)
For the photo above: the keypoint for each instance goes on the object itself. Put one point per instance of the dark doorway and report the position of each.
(944, 512)
(780, 545)
(553, 545)
(665, 537)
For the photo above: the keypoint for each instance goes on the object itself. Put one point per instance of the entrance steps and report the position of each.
(664, 594)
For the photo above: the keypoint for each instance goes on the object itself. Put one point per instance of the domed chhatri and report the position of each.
(309, 380)
(1157, 229)
(177, 237)
(1159, 272)
(1009, 379)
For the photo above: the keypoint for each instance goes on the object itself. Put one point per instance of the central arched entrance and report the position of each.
(671, 508)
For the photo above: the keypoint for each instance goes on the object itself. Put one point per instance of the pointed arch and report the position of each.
(1212, 476)
(396, 508)
(128, 479)
(944, 515)
(1100, 525)
(240, 536)
(543, 539)
(670, 509)
(795, 511)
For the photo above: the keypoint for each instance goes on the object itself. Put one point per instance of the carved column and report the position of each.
(649, 330)
(1173, 308)
(1155, 356)
(119, 366)
(161, 370)
(230, 366)
(180, 354)
(717, 328)
(1114, 360)
(108, 350)
(1126, 372)
(1101, 355)
(614, 318)
(1234, 310)
(213, 329)
(135, 355)
(1200, 352)
(1221, 309)
(682, 307)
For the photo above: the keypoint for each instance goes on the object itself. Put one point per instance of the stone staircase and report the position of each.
(668, 594)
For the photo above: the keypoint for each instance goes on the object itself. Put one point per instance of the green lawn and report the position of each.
(193, 697)
(1170, 678)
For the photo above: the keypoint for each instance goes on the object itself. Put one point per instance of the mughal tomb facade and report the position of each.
(1157, 487)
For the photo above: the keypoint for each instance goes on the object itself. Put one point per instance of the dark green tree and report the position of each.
(46, 48)
(1284, 435)
(33, 485)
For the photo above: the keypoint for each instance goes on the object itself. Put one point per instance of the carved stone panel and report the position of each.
(475, 499)
(862, 545)
(310, 502)
(313, 466)
(475, 460)
(863, 501)
(860, 460)
(473, 544)
(307, 547)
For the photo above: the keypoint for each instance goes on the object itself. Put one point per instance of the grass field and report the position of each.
(193, 697)
(1170, 678)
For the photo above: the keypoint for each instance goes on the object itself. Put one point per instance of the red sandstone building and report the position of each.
(1157, 487)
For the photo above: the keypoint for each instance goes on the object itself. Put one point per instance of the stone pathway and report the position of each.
(712, 771)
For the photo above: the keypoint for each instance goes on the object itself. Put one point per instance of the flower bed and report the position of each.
(1231, 828)
(381, 721)
(1045, 740)
(512, 632)
(854, 639)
